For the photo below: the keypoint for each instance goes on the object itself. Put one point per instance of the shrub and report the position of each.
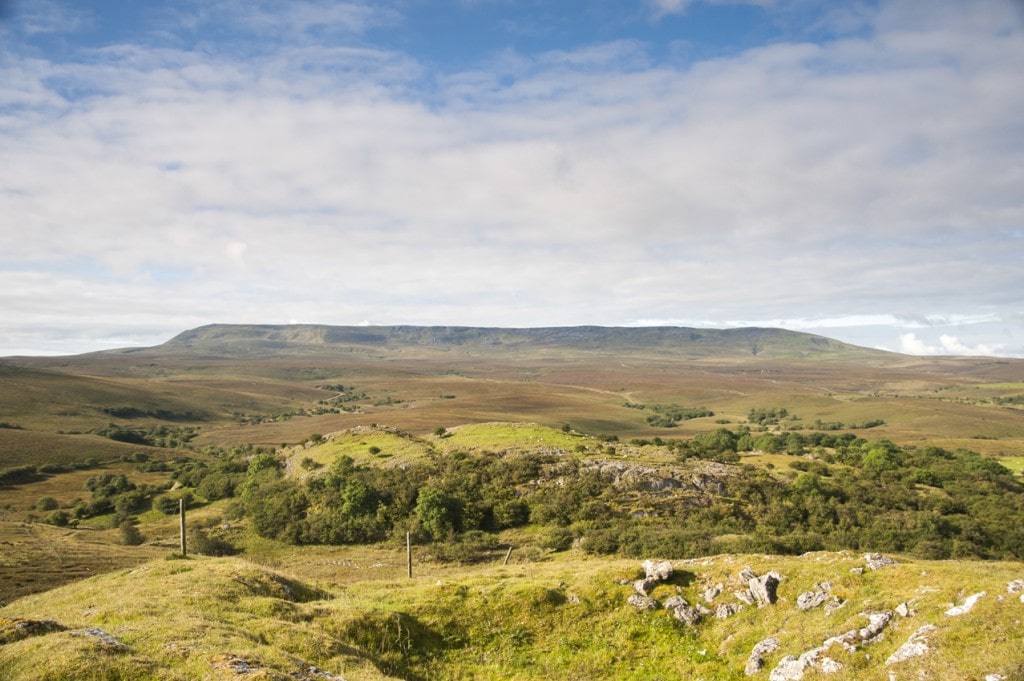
(130, 535)
(46, 504)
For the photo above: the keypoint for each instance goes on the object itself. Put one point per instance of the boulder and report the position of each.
(916, 646)
(764, 588)
(834, 605)
(658, 570)
(1015, 587)
(644, 586)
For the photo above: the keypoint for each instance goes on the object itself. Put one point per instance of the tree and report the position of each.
(438, 512)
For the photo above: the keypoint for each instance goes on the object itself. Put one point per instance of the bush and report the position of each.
(130, 535)
(557, 539)
(200, 541)
(47, 504)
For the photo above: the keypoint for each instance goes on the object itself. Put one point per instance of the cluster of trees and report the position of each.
(172, 437)
(849, 494)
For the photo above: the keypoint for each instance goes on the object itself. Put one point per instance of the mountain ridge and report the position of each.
(735, 343)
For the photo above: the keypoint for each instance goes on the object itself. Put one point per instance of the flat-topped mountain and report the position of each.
(675, 341)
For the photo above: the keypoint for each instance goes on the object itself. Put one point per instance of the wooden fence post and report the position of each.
(408, 553)
(181, 513)
(507, 556)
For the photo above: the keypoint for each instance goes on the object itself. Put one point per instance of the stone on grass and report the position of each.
(877, 561)
(756, 659)
(642, 602)
(966, 606)
(658, 570)
(916, 646)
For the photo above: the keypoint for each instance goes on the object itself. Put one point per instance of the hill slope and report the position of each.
(567, 618)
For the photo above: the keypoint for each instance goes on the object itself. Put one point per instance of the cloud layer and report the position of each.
(299, 170)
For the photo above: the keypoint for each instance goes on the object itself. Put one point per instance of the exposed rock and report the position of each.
(877, 561)
(12, 630)
(310, 673)
(744, 596)
(644, 586)
(857, 571)
(916, 646)
(854, 638)
(673, 602)
(966, 606)
(814, 598)
(763, 588)
(658, 570)
(834, 605)
(746, 574)
(1015, 587)
(106, 640)
(793, 668)
(756, 659)
(726, 610)
(642, 602)
(712, 592)
(904, 610)
(236, 664)
(995, 677)
(688, 614)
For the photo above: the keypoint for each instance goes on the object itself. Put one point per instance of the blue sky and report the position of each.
(851, 169)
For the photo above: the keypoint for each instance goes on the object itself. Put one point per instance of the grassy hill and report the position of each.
(561, 616)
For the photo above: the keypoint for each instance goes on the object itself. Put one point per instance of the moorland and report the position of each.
(531, 470)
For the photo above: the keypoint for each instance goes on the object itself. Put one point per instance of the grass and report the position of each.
(565, 617)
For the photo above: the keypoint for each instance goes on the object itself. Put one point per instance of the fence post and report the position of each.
(408, 553)
(181, 513)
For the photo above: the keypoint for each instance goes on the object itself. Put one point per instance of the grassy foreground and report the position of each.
(354, 615)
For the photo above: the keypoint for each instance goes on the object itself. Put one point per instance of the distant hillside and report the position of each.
(670, 341)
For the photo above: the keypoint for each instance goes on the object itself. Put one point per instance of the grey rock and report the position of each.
(744, 596)
(658, 570)
(764, 588)
(644, 586)
(877, 561)
(755, 662)
(674, 602)
(688, 614)
(108, 641)
(966, 606)
(834, 605)
(642, 602)
(712, 592)
(814, 598)
(1015, 587)
(916, 646)
(726, 610)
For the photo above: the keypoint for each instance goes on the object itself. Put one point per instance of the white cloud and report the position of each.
(947, 345)
(858, 183)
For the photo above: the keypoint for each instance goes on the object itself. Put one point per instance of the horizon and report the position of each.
(848, 171)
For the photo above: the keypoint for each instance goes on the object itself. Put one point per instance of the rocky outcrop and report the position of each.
(1015, 587)
(642, 602)
(12, 630)
(877, 561)
(658, 570)
(916, 646)
(756, 659)
(966, 606)
(764, 588)
(817, 596)
(793, 668)
(106, 641)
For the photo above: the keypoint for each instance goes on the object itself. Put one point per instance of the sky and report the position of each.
(850, 169)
